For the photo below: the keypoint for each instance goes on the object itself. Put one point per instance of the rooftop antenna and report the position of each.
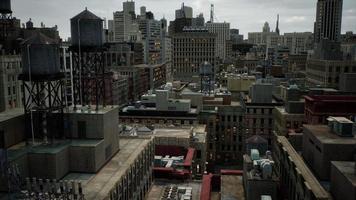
(212, 13)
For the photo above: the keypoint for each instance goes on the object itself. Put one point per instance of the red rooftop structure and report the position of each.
(319, 107)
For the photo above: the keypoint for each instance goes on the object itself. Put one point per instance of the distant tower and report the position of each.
(212, 13)
(89, 72)
(43, 88)
(328, 20)
(277, 25)
(266, 28)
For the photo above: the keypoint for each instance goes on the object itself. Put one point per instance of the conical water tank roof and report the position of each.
(86, 14)
(86, 30)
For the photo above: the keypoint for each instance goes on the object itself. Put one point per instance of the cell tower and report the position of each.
(43, 88)
(88, 51)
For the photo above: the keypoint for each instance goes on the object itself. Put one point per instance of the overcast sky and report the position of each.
(246, 15)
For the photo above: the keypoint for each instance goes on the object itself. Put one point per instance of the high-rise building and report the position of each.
(125, 27)
(184, 12)
(236, 37)
(129, 7)
(199, 20)
(328, 20)
(222, 30)
(10, 87)
(298, 43)
(190, 49)
(266, 28)
(166, 49)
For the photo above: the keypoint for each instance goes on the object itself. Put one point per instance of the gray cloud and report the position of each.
(247, 15)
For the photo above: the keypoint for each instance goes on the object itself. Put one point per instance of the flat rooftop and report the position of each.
(182, 132)
(232, 188)
(310, 180)
(347, 169)
(283, 111)
(98, 186)
(172, 132)
(325, 135)
(92, 110)
(158, 186)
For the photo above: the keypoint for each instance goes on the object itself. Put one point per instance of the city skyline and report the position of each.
(295, 16)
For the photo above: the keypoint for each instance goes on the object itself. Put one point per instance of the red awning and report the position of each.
(189, 157)
(205, 193)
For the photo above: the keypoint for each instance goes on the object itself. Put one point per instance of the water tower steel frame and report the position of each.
(88, 51)
(89, 76)
(43, 96)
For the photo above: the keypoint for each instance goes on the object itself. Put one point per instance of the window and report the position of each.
(9, 90)
(234, 118)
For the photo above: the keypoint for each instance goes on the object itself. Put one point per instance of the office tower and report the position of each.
(222, 30)
(326, 65)
(298, 43)
(266, 28)
(166, 49)
(328, 20)
(151, 36)
(190, 49)
(125, 26)
(129, 7)
(184, 12)
(236, 37)
(199, 20)
(10, 87)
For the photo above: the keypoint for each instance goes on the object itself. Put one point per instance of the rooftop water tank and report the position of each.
(40, 55)
(5, 6)
(86, 30)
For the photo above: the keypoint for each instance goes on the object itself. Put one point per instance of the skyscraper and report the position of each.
(184, 12)
(125, 25)
(222, 30)
(328, 20)
(190, 49)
